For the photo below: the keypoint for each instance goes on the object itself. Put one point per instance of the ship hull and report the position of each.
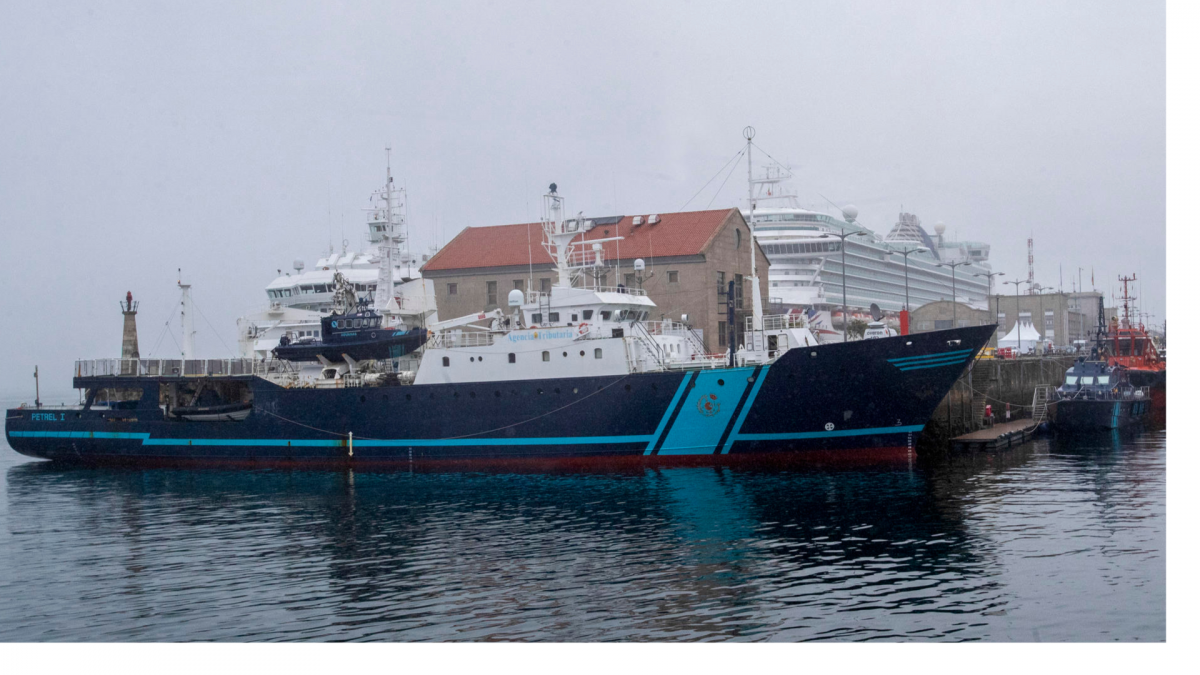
(872, 396)
(1081, 415)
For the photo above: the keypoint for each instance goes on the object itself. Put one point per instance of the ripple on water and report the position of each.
(1050, 542)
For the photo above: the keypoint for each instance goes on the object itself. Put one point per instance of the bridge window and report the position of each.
(599, 353)
(553, 317)
(545, 356)
(587, 314)
(445, 361)
(512, 358)
(536, 317)
(605, 314)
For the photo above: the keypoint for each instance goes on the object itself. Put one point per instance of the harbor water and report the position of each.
(1053, 541)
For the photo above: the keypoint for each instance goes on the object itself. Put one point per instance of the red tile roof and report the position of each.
(676, 234)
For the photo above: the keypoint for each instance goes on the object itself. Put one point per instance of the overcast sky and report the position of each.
(228, 140)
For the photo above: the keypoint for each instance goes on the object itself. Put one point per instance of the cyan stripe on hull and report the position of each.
(745, 411)
(333, 443)
(905, 359)
(952, 362)
(460, 442)
(801, 435)
(662, 424)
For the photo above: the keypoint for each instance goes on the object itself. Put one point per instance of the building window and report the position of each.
(737, 237)
(544, 285)
(943, 324)
(492, 294)
(452, 289)
(512, 358)
(672, 277)
(1049, 321)
(630, 280)
(721, 282)
(1000, 319)
(737, 291)
(599, 353)
(519, 284)
(545, 356)
(445, 361)
(722, 334)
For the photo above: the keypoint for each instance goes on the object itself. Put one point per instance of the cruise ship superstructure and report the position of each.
(806, 257)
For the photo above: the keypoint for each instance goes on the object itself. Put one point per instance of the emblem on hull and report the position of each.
(708, 405)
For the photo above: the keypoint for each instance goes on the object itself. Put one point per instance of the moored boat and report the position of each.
(1095, 395)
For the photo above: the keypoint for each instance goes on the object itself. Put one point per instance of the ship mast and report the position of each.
(185, 317)
(1125, 298)
(755, 291)
(389, 239)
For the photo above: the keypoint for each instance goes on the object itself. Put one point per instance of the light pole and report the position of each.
(1017, 284)
(845, 313)
(906, 252)
(954, 288)
(989, 275)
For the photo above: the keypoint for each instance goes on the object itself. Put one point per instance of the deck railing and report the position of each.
(180, 367)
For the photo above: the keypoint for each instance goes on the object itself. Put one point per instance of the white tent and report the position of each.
(1029, 337)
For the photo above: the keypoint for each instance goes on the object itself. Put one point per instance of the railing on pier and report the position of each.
(180, 367)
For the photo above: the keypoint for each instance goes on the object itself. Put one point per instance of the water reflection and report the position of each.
(939, 550)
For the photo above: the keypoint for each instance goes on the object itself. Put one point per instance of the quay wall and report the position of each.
(994, 381)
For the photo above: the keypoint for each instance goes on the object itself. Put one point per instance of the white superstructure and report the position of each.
(806, 257)
(297, 300)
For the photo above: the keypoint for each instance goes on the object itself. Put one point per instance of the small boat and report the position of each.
(228, 412)
(1095, 395)
(353, 332)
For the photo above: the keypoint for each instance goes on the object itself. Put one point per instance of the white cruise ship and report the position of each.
(806, 258)
(297, 300)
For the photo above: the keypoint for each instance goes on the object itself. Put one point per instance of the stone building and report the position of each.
(1062, 318)
(690, 257)
(941, 315)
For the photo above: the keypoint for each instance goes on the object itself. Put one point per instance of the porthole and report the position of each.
(472, 394)
(372, 335)
(497, 394)
(540, 390)
(575, 390)
(385, 398)
(362, 399)
(720, 383)
(564, 353)
(653, 387)
(472, 359)
(581, 352)
(750, 379)
(408, 397)
(456, 394)
(628, 388)
(557, 391)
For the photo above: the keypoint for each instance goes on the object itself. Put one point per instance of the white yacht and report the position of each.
(297, 300)
(806, 258)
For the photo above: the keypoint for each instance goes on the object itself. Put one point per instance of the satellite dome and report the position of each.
(554, 187)
(850, 212)
(940, 227)
(515, 298)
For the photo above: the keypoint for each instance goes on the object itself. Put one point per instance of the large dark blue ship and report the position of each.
(578, 372)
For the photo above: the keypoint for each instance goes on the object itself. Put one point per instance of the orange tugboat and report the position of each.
(1129, 345)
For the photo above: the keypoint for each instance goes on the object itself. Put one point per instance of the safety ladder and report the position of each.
(1042, 395)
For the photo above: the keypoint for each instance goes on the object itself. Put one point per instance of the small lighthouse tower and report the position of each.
(129, 343)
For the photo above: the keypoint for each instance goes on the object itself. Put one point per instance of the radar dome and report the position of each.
(850, 212)
(515, 298)
(940, 227)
